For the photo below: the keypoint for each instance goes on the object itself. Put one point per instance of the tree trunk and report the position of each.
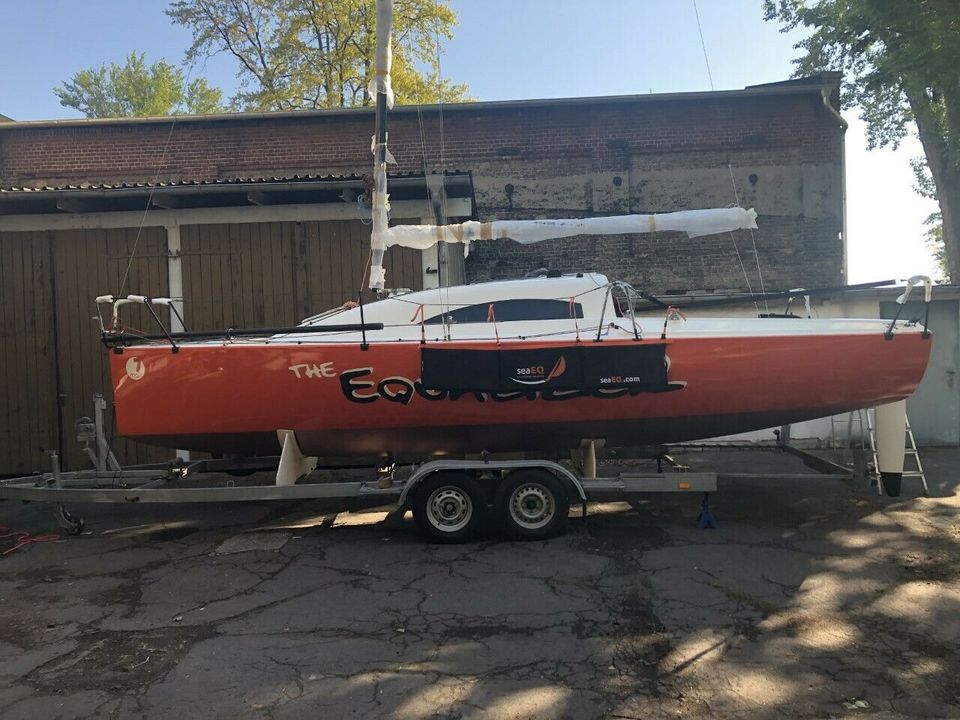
(948, 195)
(946, 176)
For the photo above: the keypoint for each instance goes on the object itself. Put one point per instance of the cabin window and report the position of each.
(510, 310)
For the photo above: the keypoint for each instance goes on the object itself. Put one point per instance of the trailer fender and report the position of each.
(427, 469)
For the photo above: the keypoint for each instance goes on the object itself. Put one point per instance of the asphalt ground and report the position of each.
(810, 599)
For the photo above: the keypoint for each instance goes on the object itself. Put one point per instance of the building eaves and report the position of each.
(824, 79)
(799, 86)
(223, 193)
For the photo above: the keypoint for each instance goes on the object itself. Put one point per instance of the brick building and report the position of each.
(253, 218)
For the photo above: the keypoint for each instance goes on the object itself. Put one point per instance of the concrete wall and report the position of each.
(799, 203)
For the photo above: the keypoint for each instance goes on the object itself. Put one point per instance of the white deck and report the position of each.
(402, 316)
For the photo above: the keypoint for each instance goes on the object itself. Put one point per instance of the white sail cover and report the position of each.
(383, 55)
(693, 222)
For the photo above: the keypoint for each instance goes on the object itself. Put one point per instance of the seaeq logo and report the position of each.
(537, 375)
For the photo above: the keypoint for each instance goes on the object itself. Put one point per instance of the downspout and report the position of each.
(825, 96)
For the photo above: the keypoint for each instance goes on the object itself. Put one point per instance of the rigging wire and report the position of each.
(443, 165)
(433, 204)
(703, 44)
(753, 241)
(366, 269)
(736, 195)
(733, 239)
(744, 269)
(442, 204)
(143, 217)
(153, 188)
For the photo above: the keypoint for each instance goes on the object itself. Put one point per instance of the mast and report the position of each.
(381, 87)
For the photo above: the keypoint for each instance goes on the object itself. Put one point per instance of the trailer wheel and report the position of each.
(450, 507)
(532, 505)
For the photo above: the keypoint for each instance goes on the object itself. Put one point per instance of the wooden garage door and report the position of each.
(28, 380)
(52, 359)
(88, 263)
(276, 274)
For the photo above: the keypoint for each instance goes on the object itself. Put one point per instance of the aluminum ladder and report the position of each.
(910, 451)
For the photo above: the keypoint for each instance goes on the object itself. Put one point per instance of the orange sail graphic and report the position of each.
(559, 369)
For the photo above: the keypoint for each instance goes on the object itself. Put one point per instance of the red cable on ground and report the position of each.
(23, 539)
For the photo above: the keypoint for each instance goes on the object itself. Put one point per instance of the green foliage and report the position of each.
(297, 54)
(894, 53)
(935, 244)
(926, 187)
(901, 60)
(136, 89)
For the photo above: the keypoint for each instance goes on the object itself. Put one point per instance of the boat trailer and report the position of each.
(544, 494)
(451, 499)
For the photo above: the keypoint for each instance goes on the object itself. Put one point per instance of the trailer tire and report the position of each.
(450, 507)
(532, 505)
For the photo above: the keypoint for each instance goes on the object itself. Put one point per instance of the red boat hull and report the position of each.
(341, 400)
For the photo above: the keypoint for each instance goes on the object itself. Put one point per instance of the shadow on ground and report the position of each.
(811, 599)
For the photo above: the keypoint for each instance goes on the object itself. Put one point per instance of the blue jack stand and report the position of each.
(705, 518)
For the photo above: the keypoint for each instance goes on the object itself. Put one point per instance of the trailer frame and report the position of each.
(464, 485)
(181, 482)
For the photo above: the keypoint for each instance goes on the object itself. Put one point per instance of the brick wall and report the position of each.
(777, 152)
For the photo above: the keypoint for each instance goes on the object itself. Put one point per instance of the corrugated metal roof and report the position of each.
(311, 189)
(220, 182)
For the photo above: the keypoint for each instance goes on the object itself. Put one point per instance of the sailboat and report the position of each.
(536, 365)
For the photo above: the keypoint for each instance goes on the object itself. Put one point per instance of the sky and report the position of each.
(513, 49)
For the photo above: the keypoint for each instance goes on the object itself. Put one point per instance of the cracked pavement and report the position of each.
(812, 599)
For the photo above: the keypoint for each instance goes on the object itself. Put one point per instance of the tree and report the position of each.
(136, 89)
(297, 54)
(902, 64)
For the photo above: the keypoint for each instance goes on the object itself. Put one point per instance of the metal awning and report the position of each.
(221, 193)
